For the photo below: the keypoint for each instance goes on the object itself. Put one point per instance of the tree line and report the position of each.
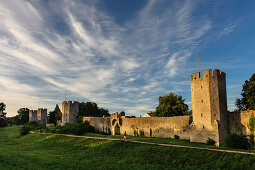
(22, 117)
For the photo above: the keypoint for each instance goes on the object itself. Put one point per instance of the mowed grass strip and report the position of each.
(38, 151)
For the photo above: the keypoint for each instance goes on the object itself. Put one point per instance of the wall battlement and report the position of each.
(39, 115)
(207, 74)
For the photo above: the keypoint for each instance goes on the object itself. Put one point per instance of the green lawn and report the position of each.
(37, 151)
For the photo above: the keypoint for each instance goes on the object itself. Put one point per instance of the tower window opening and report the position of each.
(202, 101)
(201, 87)
(201, 114)
(203, 126)
(213, 85)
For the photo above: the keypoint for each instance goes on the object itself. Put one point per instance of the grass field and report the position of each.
(152, 139)
(37, 151)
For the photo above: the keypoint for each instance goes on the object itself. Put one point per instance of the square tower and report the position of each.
(209, 106)
(42, 116)
(32, 115)
(69, 112)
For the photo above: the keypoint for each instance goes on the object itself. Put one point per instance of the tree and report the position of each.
(171, 105)
(13, 120)
(23, 115)
(122, 113)
(91, 109)
(247, 102)
(55, 115)
(3, 122)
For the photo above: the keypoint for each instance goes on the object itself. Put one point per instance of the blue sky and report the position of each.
(120, 54)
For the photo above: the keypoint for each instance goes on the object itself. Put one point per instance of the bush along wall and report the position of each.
(74, 128)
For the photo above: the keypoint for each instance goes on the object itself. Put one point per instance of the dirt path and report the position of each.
(162, 144)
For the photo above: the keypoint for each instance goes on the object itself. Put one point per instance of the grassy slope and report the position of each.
(58, 152)
(152, 139)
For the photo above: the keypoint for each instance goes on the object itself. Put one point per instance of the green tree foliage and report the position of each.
(251, 124)
(75, 128)
(236, 141)
(23, 114)
(91, 109)
(122, 112)
(3, 121)
(29, 126)
(247, 102)
(55, 115)
(171, 105)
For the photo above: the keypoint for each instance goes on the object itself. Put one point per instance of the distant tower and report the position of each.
(69, 112)
(209, 106)
(42, 116)
(32, 115)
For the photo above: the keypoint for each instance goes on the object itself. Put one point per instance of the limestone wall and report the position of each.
(237, 122)
(200, 134)
(165, 127)
(101, 124)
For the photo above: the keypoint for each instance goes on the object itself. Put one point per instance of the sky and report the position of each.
(120, 54)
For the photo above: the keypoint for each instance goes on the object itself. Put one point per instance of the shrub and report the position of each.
(176, 137)
(210, 141)
(251, 140)
(33, 125)
(135, 133)
(141, 133)
(24, 130)
(51, 129)
(190, 119)
(236, 141)
(75, 128)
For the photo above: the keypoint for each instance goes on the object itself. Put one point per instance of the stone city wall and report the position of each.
(238, 122)
(165, 127)
(101, 124)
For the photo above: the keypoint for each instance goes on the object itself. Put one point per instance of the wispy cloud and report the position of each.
(76, 46)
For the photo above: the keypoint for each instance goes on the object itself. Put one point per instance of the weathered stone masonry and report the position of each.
(69, 112)
(210, 117)
(39, 115)
(151, 126)
(209, 106)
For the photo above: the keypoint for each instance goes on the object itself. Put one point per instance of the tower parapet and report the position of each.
(39, 115)
(209, 106)
(69, 112)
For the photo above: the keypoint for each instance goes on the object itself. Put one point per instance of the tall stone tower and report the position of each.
(42, 116)
(32, 115)
(69, 112)
(209, 106)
